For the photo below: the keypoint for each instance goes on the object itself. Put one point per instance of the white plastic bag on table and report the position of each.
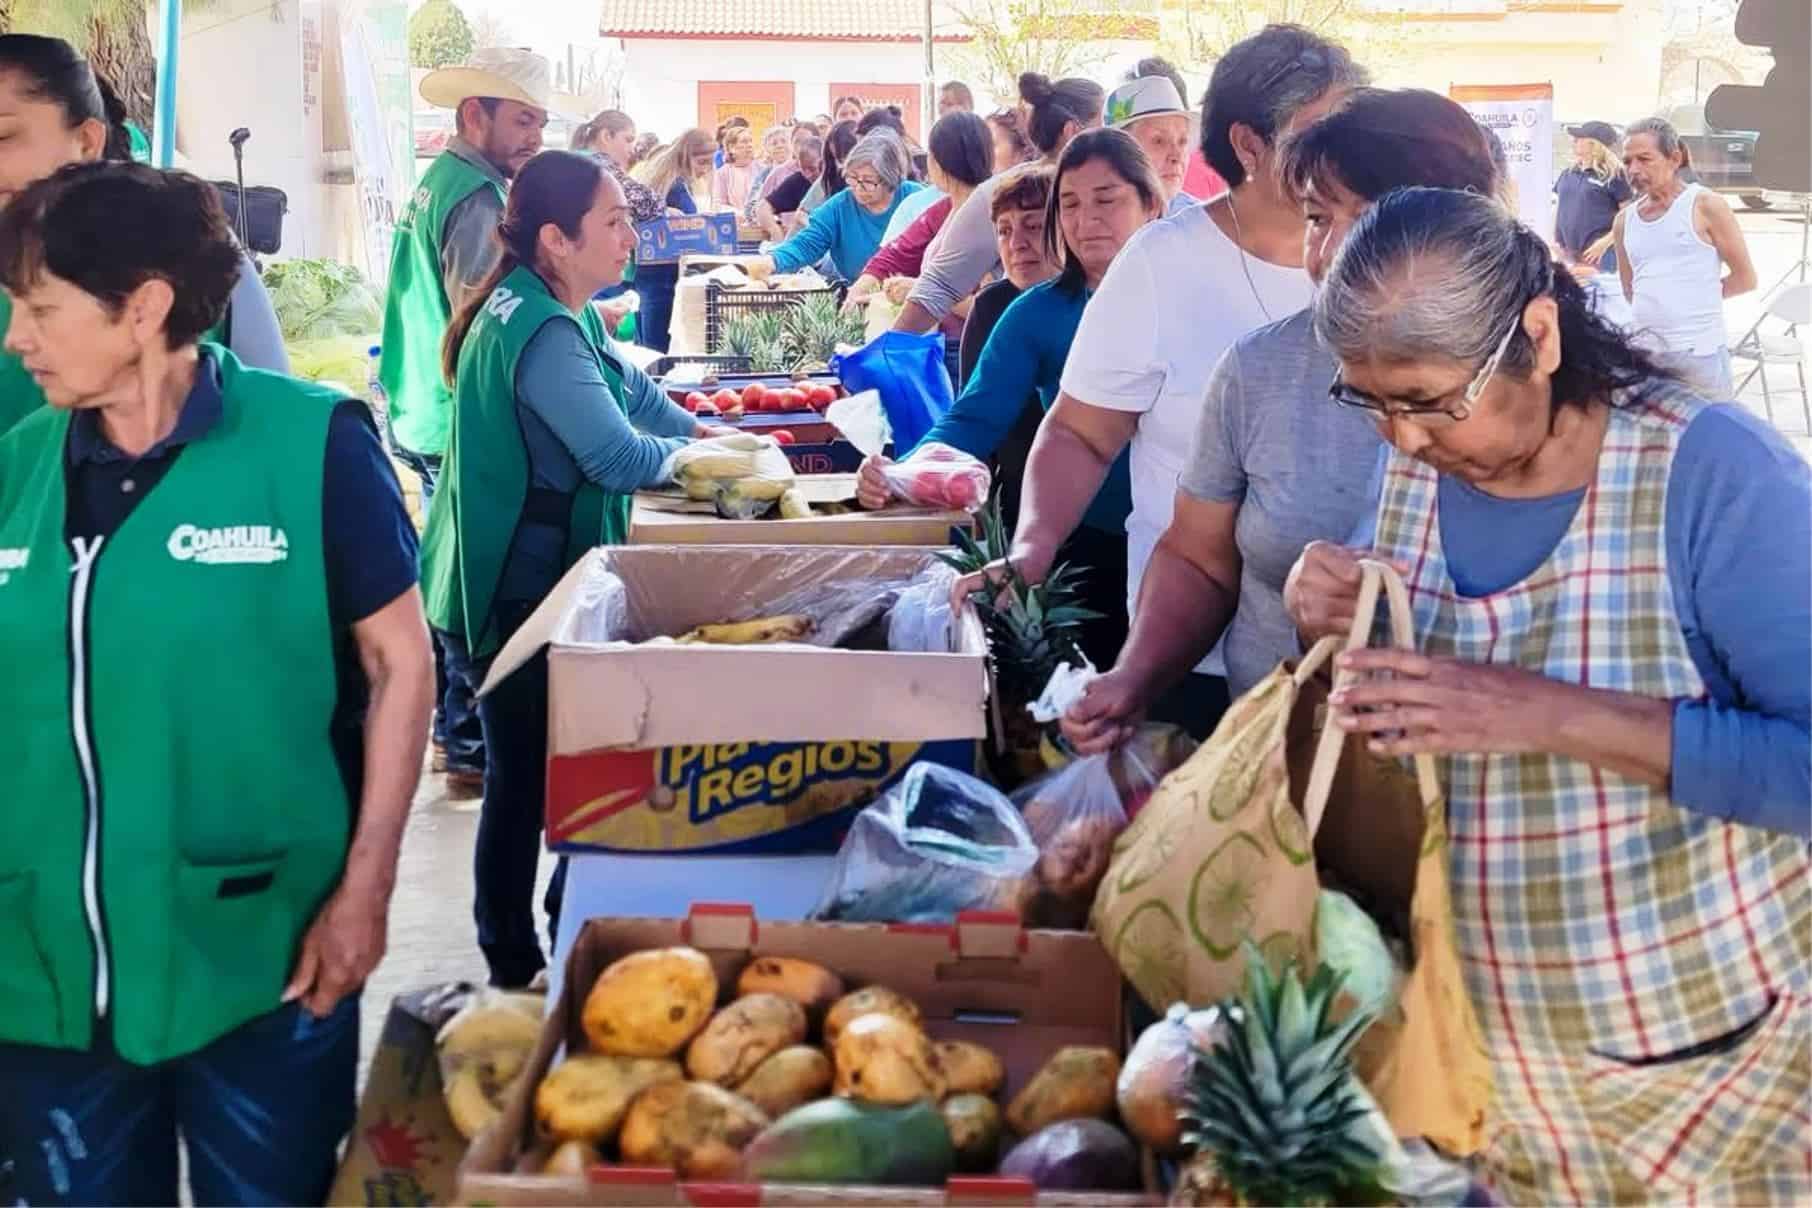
(939, 842)
(920, 621)
(938, 476)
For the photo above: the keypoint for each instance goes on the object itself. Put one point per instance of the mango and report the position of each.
(840, 1141)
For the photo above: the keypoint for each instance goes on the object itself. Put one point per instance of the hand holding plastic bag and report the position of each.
(1074, 815)
(938, 476)
(939, 842)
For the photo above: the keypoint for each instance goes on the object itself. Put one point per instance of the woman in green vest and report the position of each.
(218, 683)
(58, 111)
(551, 434)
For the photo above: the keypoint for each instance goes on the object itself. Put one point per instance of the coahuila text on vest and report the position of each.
(232, 544)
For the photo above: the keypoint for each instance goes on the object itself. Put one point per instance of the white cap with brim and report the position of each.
(503, 73)
(1147, 96)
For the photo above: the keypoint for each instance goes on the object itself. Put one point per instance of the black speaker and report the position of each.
(264, 211)
(1780, 111)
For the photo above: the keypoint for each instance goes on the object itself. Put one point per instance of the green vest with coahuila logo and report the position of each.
(174, 815)
(483, 495)
(417, 310)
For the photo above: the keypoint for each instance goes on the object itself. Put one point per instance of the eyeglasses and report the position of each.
(866, 183)
(1309, 59)
(1447, 407)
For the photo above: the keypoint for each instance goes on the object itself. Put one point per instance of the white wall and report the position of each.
(241, 65)
(661, 76)
(1603, 65)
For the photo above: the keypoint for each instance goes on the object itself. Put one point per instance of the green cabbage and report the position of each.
(1347, 939)
(319, 299)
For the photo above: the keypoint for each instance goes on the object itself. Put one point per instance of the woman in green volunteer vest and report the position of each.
(217, 693)
(551, 434)
(54, 110)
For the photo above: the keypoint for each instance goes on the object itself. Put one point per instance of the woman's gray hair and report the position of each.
(883, 151)
(1432, 273)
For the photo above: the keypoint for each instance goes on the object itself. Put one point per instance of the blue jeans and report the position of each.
(508, 850)
(456, 728)
(261, 1111)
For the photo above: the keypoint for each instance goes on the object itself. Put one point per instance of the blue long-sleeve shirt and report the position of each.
(575, 433)
(1739, 559)
(845, 231)
(1023, 356)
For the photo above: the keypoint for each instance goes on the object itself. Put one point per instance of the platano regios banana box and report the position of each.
(1023, 995)
(661, 747)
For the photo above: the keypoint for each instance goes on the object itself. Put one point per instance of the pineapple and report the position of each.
(759, 336)
(1031, 630)
(1274, 1113)
(815, 325)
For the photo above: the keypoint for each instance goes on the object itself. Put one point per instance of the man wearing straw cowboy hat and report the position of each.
(446, 244)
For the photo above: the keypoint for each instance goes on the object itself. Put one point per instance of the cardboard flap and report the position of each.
(543, 625)
(715, 694)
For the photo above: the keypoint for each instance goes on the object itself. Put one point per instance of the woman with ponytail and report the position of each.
(57, 111)
(551, 434)
(1051, 113)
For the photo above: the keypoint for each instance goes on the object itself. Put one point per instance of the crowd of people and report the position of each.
(229, 650)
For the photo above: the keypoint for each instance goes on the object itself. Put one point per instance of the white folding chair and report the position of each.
(1792, 306)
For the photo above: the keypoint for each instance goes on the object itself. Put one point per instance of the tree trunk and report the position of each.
(120, 50)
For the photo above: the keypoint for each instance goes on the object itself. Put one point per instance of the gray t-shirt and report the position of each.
(1298, 464)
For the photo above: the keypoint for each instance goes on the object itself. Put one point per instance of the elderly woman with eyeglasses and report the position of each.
(1613, 604)
(849, 225)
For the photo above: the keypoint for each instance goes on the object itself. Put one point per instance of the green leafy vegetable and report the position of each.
(318, 299)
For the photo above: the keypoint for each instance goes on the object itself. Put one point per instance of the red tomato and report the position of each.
(726, 399)
(798, 400)
(822, 396)
(752, 396)
(694, 399)
(782, 436)
(960, 491)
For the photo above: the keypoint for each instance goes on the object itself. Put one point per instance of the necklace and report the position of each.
(1239, 243)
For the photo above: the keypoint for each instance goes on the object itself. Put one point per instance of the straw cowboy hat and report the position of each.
(506, 73)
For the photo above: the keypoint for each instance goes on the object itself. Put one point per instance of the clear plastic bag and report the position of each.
(937, 843)
(920, 621)
(1140, 764)
(938, 476)
(1074, 815)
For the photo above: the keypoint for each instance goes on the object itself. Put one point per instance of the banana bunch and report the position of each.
(759, 632)
(483, 1050)
(742, 474)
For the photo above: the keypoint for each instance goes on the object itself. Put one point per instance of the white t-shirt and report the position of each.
(1175, 299)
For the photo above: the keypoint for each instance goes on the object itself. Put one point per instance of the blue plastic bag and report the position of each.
(907, 370)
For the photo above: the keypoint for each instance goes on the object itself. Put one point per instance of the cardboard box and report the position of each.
(1024, 994)
(667, 517)
(404, 1148)
(665, 240)
(661, 748)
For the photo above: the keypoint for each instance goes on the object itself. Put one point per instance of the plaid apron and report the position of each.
(1641, 971)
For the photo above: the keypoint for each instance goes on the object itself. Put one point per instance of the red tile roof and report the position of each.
(791, 20)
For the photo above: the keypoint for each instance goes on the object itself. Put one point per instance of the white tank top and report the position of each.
(1676, 279)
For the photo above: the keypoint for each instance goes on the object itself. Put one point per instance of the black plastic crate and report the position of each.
(722, 362)
(722, 306)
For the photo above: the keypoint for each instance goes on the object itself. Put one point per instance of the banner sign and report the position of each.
(1522, 117)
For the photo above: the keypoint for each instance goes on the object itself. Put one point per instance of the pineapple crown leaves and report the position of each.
(1276, 1105)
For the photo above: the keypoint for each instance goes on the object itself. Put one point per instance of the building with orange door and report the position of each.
(700, 62)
